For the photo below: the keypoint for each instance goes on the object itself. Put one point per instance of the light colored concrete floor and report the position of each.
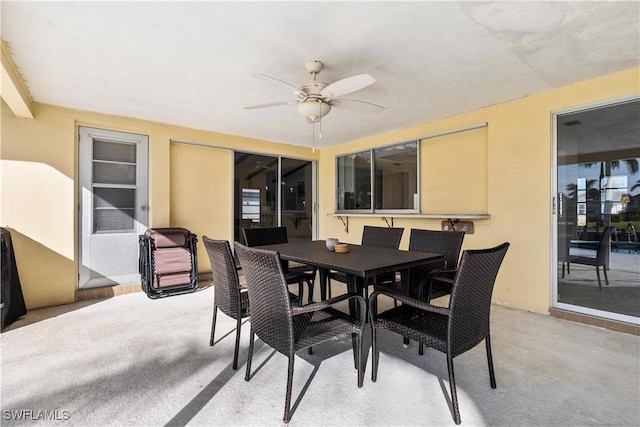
(130, 360)
(622, 295)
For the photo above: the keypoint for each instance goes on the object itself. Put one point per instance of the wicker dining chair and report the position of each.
(454, 329)
(288, 328)
(229, 296)
(600, 259)
(276, 235)
(447, 243)
(383, 237)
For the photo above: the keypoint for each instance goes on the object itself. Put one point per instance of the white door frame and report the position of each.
(554, 215)
(86, 277)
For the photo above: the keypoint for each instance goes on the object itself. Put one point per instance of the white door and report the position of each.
(113, 186)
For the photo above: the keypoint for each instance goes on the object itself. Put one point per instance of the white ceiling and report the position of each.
(191, 63)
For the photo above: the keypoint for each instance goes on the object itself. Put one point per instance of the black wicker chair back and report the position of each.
(470, 302)
(228, 294)
(274, 236)
(453, 330)
(603, 245)
(384, 237)
(289, 328)
(447, 243)
(269, 296)
(264, 236)
(602, 256)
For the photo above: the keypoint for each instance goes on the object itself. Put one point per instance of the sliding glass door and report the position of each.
(271, 191)
(597, 193)
(297, 199)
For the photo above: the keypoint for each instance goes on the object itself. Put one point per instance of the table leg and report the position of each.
(354, 286)
(407, 280)
(324, 283)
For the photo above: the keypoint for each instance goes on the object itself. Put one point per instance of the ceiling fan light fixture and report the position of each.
(313, 110)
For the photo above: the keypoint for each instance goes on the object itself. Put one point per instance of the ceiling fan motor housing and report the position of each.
(313, 87)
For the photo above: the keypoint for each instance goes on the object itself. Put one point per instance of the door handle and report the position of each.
(144, 207)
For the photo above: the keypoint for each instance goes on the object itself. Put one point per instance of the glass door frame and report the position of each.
(554, 214)
(314, 194)
(314, 189)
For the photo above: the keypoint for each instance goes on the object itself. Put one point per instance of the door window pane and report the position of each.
(114, 173)
(258, 187)
(113, 209)
(114, 151)
(296, 199)
(114, 163)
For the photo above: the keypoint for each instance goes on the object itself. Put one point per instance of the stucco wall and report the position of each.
(39, 189)
(201, 194)
(518, 166)
(510, 160)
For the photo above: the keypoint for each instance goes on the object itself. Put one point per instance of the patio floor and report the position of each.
(129, 360)
(622, 295)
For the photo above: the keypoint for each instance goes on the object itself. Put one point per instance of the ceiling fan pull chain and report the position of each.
(313, 137)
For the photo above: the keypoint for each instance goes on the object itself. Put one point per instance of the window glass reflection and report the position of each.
(392, 169)
(354, 181)
(397, 176)
(598, 187)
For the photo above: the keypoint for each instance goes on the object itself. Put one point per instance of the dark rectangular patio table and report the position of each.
(360, 263)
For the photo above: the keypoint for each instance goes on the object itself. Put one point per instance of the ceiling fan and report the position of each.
(317, 98)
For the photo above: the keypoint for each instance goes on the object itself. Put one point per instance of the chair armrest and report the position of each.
(405, 300)
(320, 305)
(428, 281)
(443, 272)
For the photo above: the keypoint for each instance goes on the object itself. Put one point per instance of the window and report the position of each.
(615, 192)
(251, 204)
(396, 177)
(381, 179)
(114, 186)
(354, 181)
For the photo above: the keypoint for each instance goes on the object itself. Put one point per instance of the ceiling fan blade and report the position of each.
(266, 77)
(347, 85)
(354, 105)
(271, 104)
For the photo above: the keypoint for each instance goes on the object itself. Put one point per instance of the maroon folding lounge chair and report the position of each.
(168, 262)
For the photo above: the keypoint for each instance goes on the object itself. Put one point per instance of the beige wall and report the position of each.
(509, 163)
(39, 189)
(512, 160)
(201, 194)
